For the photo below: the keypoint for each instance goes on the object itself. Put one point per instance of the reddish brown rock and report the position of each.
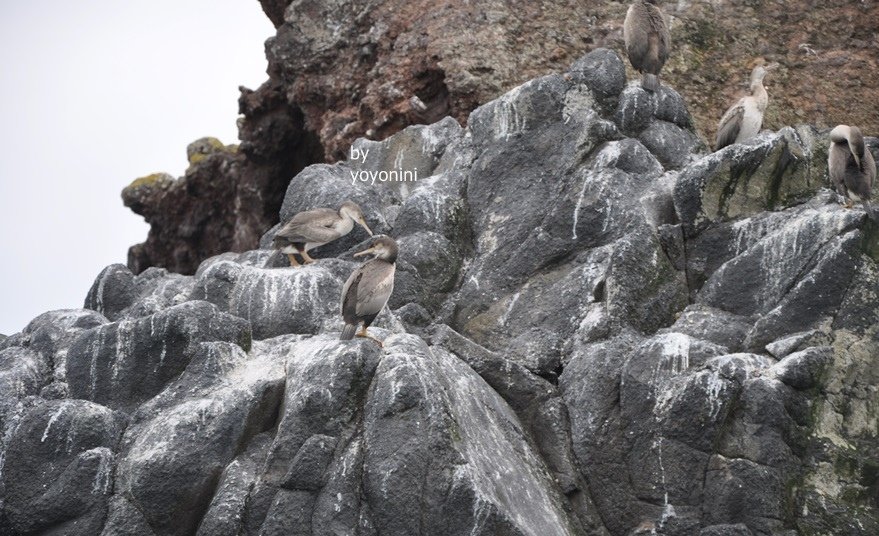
(359, 67)
(342, 69)
(229, 195)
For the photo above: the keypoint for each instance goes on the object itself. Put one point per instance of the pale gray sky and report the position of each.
(94, 94)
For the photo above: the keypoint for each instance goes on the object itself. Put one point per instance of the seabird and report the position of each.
(647, 41)
(851, 167)
(368, 288)
(743, 119)
(312, 228)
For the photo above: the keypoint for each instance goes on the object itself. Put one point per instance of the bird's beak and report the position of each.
(364, 252)
(363, 223)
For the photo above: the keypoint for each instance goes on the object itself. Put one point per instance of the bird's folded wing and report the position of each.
(312, 226)
(375, 287)
(349, 296)
(730, 124)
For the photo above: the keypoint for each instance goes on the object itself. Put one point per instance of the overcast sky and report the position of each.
(95, 94)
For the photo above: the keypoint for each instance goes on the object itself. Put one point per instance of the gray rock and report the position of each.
(714, 325)
(858, 312)
(564, 351)
(671, 107)
(741, 491)
(157, 290)
(590, 387)
(774, 264)
(816, 296)
(802, 370)
(112, 291)
(643, 288)
(772, 171)
(437, 262)
(739, 529)
(562, 213)
(602, 70)
(124, 519)
(411, 415)
(327, 381)
(436, 206)
(635, 109)
(520, 388)
(52, 333)
(23, 373)
(59, 467)
(175, 451)
(798, 341)
(224, 516)
(310, 464)
(275, 301)
(531, 325)
(125, 363)
(671, 144)
(55, 391)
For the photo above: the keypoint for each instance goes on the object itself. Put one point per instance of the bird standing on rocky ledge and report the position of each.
(647, 41)
(851, 167)
(742, 121)
(368, 288)
(312, 228)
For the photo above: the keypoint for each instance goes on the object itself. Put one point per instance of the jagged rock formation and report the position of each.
(359, 68)
(598, 329)
(229, 195)
(372, 68)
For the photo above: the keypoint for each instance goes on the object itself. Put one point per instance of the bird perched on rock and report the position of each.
(742, 121)
(851, 167)
(368, 288)
(647, 41)
(312, 228)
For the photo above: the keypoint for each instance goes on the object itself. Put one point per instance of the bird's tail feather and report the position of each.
(348, 332)
(650, 82)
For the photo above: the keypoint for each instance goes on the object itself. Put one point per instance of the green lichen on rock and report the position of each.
(201, 148)
(151, 180)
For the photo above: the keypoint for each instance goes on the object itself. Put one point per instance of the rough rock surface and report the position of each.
(593, 332)
(371, 68)
(229, 194)
(342, 70)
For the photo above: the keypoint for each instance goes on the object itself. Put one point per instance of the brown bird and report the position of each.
(368, 288)
(312, 228)
(647, 41)
(742, 121)
(851, 167)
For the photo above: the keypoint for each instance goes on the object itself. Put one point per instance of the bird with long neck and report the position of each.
(368, 288)
(743, 120)
(313, 228)
(851, 167)
(647, 41)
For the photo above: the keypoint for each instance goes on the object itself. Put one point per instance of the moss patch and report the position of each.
(201, 148)
(152, 180)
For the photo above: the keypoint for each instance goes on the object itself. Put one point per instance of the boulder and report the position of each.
(124, 363)
(58, 471)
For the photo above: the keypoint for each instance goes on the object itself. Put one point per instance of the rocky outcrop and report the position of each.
(369, 69)
(229, 195)
(595, 331)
